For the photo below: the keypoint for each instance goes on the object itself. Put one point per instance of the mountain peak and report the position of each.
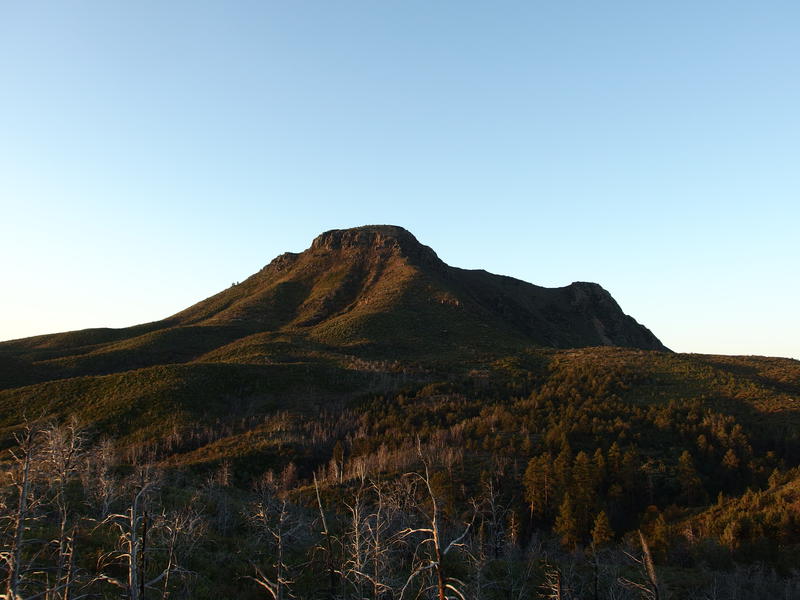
(382, 238)
(365, 237)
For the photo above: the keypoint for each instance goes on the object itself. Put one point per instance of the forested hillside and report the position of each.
(540, 466)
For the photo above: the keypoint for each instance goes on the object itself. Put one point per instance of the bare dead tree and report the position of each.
(328, 546)
(63, 447)
(27, 462)
(275, 525)
(495, 513)
(133, 526)
(649, 588)
(179, 532)
(432, 532)
(354, 542)
(553, 586)
(479, 560)
(520, 586)
(368, 542)
(101, 486)
(380, 525)
(491, 542)
(29, 575)
(263, 517)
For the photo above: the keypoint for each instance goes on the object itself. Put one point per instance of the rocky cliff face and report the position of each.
(369, 237)
(382, 240)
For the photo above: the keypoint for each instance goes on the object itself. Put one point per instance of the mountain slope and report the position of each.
(351, 284)
(374, 291)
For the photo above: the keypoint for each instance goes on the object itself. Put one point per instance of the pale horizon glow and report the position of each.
(154, 153)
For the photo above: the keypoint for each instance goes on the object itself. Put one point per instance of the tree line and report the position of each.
(81, 520)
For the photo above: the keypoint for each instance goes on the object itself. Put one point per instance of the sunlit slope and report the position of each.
(379, 285)
(760, 389)
(374, 291)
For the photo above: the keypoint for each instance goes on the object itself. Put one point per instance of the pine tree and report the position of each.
(566, 525)
(614, 462)
(337, 460)
(582, 489)
(660, 537)
(539, 483)
(631, 481)
(562, 468)
(692, 490)
(599, 463)
(730, 461)
(731, 474)
(601, 531)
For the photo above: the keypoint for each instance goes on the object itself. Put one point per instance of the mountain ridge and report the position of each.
(345, 270)
(375, 291)
(379, 286)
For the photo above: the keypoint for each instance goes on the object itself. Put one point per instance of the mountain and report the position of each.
(379, 285)
(357, 360)
(372, 291)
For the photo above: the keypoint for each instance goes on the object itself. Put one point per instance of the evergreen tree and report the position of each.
(566, 525)
(631, 476)
(731, 474)
(692, 491)
(600, 475)
(582, 489)
(614, 462)
(601, 531)
(659, 540)
(539, 484)
(730, 461)
(562, 468)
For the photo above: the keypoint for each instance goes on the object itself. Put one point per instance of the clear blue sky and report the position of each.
(151, 153)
